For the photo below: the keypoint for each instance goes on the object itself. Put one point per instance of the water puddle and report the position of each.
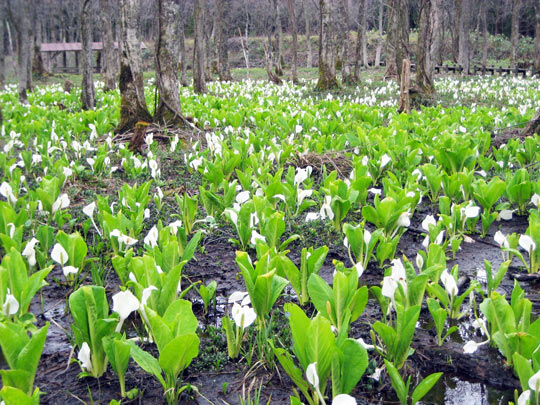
(450, 390)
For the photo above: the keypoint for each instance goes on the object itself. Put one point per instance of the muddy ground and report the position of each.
(482, 376)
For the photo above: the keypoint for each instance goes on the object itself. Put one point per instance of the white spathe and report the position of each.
(449, 283)
(343, 399)
(124, 303)
(59, 254)
(85, 358)
(10, 305)
(312, 376)
(243, 316)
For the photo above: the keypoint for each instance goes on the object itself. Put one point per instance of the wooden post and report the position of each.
(404, 99)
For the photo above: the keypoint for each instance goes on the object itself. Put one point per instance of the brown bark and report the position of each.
(405, 85)
(137, 139)
(438, 31)
(402, 51)
(292, 19)
(168, 111)
(378, 51)
(18, 13)
(199, 82)
(514, 36)
(327, 70)
(110, 59)
(537, 35)
(222, 12)
(133, 103)
(88, 95)
(2, 51)
(483, 18)
(361, 40)
(343, 37)
(424, 63)
(464, 27)
(391, 39)
(38, 66)
(309, 60)
(268, 57)
(182, 46)
(278, 39)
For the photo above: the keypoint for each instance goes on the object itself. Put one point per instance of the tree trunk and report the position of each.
(133, 103)
(269, 61)
(168, 111)
(88, 95)
(222, 13)
(307, 15)
(365, 58)
(2, 50)
(537, 34)
(327, 70)
(199, 82)
(514, 37)
(278, 51)
(464, 26)
(346, 76)
(38, 67)
(378, 51)
(405, 85)
(402, 34)
(391, 38)
(426, 33)
(361, 39)
(483, 17)
(182, 46)
(438, 31)
(208, 35)
(110, 61)
(18, 12)
(292, 19)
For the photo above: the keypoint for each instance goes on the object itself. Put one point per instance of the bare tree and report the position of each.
(514, 37)
(110, 64)
(537, 34)
(2, 50)
(292, 19)
(38, 66)
(378, 51)
(278, 50)
(168, 111)
(133, 103)
(18, 13)
(182, 45)
(88, 95)
(426, 34)
(307, 18)
(343, 37)
(464, 9)
(327, 70)
(199, 82)
(483, 18)
(361, 51)
(222, 13)
(391, 38)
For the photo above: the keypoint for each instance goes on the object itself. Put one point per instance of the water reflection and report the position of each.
(453, 391)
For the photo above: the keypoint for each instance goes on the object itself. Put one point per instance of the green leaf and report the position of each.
(147, 362)
(424, 387)
(178, 354)
(397, 382)
(354, 363)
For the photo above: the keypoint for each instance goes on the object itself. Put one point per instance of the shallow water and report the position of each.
(450, 390)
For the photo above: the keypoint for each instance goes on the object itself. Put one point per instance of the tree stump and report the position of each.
(137, 140)
(404, 98)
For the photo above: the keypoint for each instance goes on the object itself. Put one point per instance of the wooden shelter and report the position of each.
(64, 57)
